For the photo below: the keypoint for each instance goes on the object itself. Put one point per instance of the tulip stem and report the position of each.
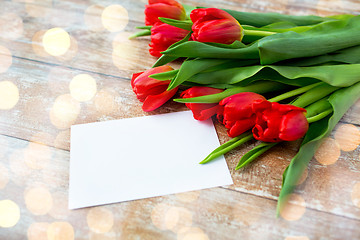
(257, 33)
(319, 116)
(146, 32)
(228, 146)
(293, 92)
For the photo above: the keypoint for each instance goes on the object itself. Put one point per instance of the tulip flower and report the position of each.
(163, 36)
(279, 122)
(163, 8)
(215, 25)
(150, 91)
(201, 111)
(236, 112)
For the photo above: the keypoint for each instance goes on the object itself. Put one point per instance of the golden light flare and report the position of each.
(60, 231)
(191, 233)
(294, 207)
(83, 87)
(355, 195)
(11, 26)
(9, 213)
(71, 52)
(105, 102)
(37, 156)
(56, 41)
(166, 217)
(348, 137)
(328, 152)
(188, 197)
(9, 95)
(60, 209)
(92, 17)
(38, 231)
(123, 55)
(64, 112)
(100, 219)
(62, 140)
(4, 176)
(115, 18)
(37, 44)
(38, 200)
(5, 59)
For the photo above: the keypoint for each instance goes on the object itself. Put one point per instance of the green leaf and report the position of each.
(227, 147)
(195, 49)
(336, 75)
(165, 75)
(263, 19)
(324, 38)
(177, 23)
(146, 32)
(257, 87)
(144, 27)
(341, 101)
(253, 154)
(164, 59)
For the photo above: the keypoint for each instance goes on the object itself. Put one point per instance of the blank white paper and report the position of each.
(135, 158)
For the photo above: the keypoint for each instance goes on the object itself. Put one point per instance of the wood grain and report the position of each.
(34, 136)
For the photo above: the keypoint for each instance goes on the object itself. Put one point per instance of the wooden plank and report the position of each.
(111, 52)
(46, 110)
(39, 187)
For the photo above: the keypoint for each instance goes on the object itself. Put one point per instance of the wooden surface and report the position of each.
(42, 104)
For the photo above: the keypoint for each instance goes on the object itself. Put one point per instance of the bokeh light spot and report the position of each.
(115, 18)
(294, 207)
(92, 17)
(64, 112)
(100, 220)
(38, 200)
(38, 231)
(9, 213)
(328, 152)
(60, 231)
(56, 41)
(348, 137)
(9, 95)
(83, 87)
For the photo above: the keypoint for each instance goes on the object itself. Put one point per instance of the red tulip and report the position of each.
(201, 111)
(279, 122)
(237, 114)
(215, 25)
(163, 36)
(150, 91)
(163, 8)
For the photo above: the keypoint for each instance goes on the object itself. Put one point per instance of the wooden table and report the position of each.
(39, 88)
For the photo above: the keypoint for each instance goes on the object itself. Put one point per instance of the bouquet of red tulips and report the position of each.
(265, 76)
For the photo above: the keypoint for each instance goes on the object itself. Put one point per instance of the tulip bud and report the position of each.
(236, 112)
(279, 122)
(201, 111)
(163, 8)
(163, 36)
(215, 25)
(150, 91)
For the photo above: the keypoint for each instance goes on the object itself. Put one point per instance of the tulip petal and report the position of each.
(152, 102)
(241, 126)
(293, 126)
